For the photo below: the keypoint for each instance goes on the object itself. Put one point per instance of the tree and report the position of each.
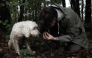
(75, 6)
(5, 17)
(63, 3)
(21, 10)
(88, 16)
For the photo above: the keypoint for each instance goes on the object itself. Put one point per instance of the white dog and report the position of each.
(22, 29)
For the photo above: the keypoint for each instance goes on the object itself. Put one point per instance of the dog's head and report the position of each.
(31, 29)
(34, 30)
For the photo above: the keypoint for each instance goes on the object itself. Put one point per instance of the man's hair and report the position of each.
(48, 14)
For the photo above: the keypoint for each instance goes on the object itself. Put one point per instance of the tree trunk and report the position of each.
(63, 3)
(4, 15)
(82, 10)
(75, 6)
(21, 11)
(88, 16)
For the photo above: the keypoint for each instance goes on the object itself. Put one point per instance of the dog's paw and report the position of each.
(18, 53)
(32, 52)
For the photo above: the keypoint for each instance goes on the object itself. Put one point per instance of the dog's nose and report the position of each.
(40, 35)
(38, 28)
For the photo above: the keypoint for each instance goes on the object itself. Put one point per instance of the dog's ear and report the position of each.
(25, 32)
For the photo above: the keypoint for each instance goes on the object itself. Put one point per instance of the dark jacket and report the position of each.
(70, 28)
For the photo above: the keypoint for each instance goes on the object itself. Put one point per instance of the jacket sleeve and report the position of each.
(65, 38)
(70, 31)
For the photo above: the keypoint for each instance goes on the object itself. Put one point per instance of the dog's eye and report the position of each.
(34, 28)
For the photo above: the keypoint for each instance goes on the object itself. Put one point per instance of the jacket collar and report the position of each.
(60, 11)
(59, 14)
(62, 8)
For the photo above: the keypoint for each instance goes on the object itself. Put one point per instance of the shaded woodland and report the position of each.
(12, 11)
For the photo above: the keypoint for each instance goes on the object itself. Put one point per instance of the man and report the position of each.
(64, 25)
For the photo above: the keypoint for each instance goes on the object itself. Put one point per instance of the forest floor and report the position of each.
(43, 52)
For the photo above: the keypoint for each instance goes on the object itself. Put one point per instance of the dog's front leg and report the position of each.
(27, 45)
(16, 46)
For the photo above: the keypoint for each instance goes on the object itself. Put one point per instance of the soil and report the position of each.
(43, 52)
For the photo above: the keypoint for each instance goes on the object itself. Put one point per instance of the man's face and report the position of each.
(52, 23)
(49, 24)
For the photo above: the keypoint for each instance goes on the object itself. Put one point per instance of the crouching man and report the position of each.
(63, 24)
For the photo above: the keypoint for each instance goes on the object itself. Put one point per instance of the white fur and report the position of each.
(22, 29)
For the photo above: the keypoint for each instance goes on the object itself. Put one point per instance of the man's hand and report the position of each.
(48, 36)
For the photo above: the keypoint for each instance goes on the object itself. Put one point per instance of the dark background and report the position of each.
(12, 11)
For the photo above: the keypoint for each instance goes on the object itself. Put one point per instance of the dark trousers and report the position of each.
(72, 47)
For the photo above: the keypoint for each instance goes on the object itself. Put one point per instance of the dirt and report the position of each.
(41, 52)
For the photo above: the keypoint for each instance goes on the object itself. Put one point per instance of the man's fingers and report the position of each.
(47, 34)
(44, 35)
